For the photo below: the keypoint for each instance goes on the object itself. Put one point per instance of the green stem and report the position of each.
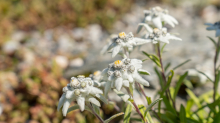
(215, 69)
(168, 95)
(100, 119)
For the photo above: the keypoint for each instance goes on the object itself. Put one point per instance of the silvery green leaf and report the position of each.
(61, 101)
(116, 50)
(152, 104)
(123, 96)
(94, 91)
(93, 101)
(112, 117)
(126, 83)
(77, 107)
(144, 72)
(69, 94)
(148, 28)
(118, 83)
(139, 79)
(217, 33)
(102, 98)
(81, 103)
(66, 106)
(157, 22)
(111, 46)
(140, 41)
(107, 88)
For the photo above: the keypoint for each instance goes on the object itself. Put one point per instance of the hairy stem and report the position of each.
(100, 119)
(215, 70)
(168, 95)
(136, 107)
(133, 102)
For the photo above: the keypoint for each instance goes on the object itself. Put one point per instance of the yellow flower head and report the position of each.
(159, 9)
(80, 76)
(96, 73)
(156, 30)
(122, 35)
(118, 63)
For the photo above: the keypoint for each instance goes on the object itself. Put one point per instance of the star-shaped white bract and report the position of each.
(81, 90)
(160, 35)
(215, 26)
(124, 41)
(157, 15)
(123, 73)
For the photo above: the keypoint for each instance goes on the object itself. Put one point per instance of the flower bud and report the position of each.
(131, 68)
(127, 61)
(117, 73)
(83, 84)
(77, 92)
(65, 89)
(74, 83)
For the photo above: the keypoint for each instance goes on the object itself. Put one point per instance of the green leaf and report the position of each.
(205, 75)
(77, 107)
(168, 82)
(148, 100)
(181, 64)
(151, 105)
(182, 114)
(149, 119)
(136, 119)
(165, 118)
(144, 72)
(142, 108)
(179, 83)
(193, 97)
(217, 118)
(169, 107)
(167, 66)
(154, 58)
(160, 77)
(131, 89)
(188, 84)
(127, 113)
(213, 41)
(96, 108)
(163, 47)
(113, 117)
(217, 79)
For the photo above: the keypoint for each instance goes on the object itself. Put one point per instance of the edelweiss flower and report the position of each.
(215, 26)
(124, 41)
(158, 15)
(123, 73)
(79, 89)
(95, 76)
(161, 35)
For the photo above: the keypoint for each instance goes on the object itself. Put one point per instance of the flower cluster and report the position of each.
(123, 73)
(157, 15)
(79, 89)
(161, 35)
(215, 26)
(126, 41)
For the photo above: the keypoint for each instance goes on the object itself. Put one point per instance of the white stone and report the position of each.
(62, 61)
(77, 62)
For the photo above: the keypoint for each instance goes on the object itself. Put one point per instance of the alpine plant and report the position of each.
(123, 74)
(81, 90)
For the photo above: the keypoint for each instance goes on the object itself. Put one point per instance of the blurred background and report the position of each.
(43, 43)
